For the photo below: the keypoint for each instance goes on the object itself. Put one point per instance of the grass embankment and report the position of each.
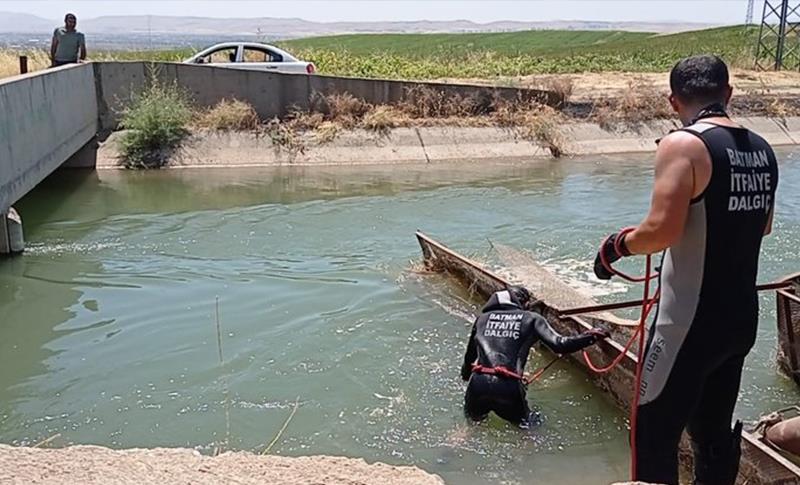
(481, 55)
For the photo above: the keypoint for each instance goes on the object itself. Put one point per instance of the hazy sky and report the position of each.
(707, 11)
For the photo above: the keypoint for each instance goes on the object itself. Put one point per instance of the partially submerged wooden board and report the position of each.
(548, 287)
(760, 464)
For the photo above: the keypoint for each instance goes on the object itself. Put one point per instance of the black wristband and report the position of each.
(621, 246)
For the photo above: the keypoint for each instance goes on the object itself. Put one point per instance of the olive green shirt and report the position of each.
(69, 44)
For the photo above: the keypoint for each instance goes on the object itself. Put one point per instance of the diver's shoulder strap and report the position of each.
(699, 128)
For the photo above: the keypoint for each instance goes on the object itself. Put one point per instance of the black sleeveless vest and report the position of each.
(709, 306)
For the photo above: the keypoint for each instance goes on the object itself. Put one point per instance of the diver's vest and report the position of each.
(708, 278)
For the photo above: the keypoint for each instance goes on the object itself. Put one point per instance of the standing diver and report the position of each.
(498, 350)
(712, 203)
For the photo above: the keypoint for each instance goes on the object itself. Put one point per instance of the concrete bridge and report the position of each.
(54, 118)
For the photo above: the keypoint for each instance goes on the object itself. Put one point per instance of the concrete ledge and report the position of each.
(422, 145)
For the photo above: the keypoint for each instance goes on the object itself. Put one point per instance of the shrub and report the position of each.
(156, 118)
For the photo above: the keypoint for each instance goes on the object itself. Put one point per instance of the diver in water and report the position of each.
(498, 351)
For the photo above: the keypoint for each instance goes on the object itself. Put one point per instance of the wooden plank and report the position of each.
(775, 285)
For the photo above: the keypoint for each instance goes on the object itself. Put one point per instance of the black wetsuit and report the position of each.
(502, 337)
(708, 313)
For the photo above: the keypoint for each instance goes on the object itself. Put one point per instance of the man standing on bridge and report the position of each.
(68, 45)
(713, 201)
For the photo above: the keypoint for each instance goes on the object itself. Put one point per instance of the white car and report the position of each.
(251, 56)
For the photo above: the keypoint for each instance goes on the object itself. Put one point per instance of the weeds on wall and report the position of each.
(160, 116)
(156, 121)
(229, 115)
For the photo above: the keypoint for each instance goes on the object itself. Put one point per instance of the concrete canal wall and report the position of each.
(46, 118)
(271, 94)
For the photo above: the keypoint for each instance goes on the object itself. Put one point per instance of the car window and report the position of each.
(220, 56)
(253, 54)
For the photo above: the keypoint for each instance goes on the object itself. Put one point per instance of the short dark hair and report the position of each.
(67, 16)
(700, 79)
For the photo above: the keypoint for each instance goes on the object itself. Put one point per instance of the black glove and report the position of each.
(609, 251)
(466, 372)
(600, 332)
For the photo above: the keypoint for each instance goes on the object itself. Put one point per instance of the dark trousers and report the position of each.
(505, 396)
(702, 401)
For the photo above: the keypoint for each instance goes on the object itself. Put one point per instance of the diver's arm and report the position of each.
(54, 46)
(559, 343)
(471, 354)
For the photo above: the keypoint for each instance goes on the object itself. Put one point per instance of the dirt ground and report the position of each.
(95, 465)
(591, 86)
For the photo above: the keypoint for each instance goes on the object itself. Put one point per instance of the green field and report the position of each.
(508, 43)
(484, 55)
(487, 55)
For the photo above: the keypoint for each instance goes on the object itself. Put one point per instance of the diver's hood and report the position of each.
(501, 300)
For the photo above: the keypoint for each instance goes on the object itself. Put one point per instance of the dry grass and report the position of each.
(544, 128)
(9, 61)
(427, 102)
(229, 115)
(304, 120)
(563, 88)
(422, 106)
(533, 122)
(382, 119)
(765, 102)
(344, 108)
(641, 102)
(285, 138)
(326, 132)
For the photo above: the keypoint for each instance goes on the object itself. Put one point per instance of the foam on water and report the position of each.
(579, 274)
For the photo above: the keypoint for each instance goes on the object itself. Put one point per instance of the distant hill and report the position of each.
(23, 22)
(295, 27)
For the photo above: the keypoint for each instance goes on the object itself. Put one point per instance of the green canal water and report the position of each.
(107, 322)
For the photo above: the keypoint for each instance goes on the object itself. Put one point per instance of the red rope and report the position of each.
(647, 307)
(506, 372)
(640, 364)
(536, 375)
